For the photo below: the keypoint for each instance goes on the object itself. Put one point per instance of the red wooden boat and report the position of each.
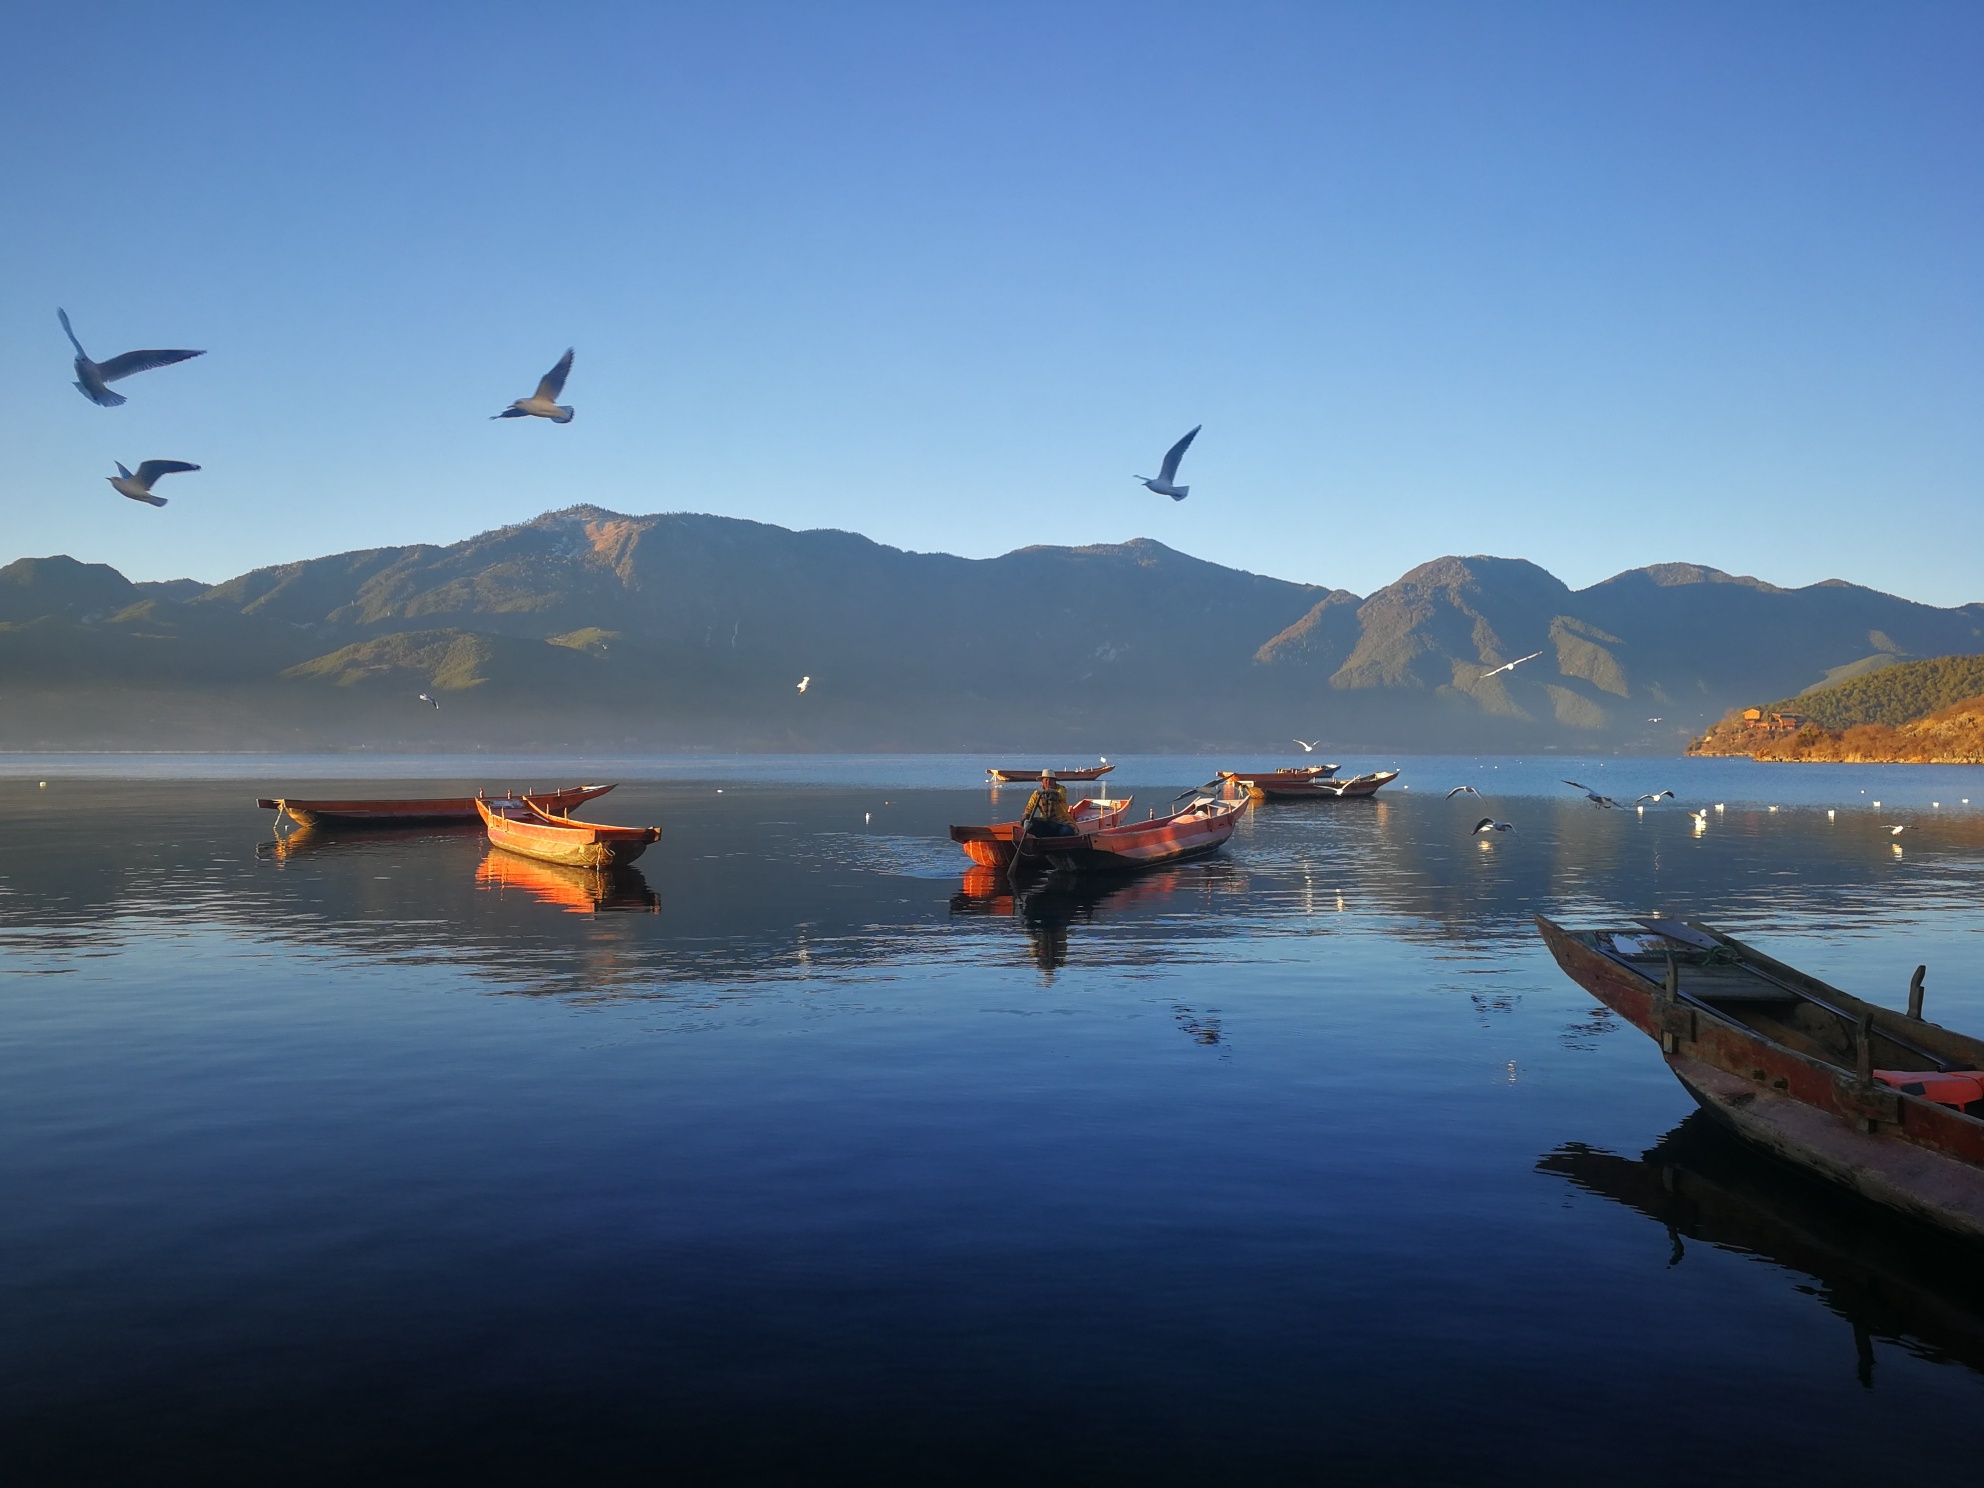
(523, 826)
(1883, 1103)
(1201, 827)
(992, 847)
(1316, 782)
(415, 813)
(1012, 777)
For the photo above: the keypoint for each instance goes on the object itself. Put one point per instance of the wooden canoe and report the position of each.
(992, 846)
(1201, 827)
(1012, 777)
(1316, 783)
(414, 813)
(1851, 1091)
(525, 827)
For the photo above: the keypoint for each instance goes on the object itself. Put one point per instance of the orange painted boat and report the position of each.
(1886, 1104)
(587, 891)
(1017, 777)
(1316, 783)
(992, 846)
(418, 812)
(1201, 827)
(523, 826)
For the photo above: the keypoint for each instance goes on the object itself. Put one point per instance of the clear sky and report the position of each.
(1592, 284)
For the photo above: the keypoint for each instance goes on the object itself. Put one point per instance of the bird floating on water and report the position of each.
(428, 698)
(804, 682)
(1165, 483)
(1593, 796)
(1462, 790)
(1895, 831)
(93, 378)
(139, 487)
(544, 402)
(1489, 824)
(1510, 666)
(1653, 796)
(1700, 818)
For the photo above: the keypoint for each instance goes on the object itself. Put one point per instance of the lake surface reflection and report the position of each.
(801, 1152)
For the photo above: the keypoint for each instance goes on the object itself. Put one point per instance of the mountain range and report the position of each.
(591, 629)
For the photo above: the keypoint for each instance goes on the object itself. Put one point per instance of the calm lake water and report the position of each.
(797, 1156)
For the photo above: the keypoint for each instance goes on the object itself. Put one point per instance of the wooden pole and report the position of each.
(1915, 993)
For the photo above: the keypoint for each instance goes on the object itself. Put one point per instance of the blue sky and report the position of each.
(1594, 285)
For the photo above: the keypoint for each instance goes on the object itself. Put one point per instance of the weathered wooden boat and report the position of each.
(1884, 1103)
(415, 813)
(523, 826)
(992, 846)
(1200, 827)
(587, 891)
(1012, 777)
(1315, 783)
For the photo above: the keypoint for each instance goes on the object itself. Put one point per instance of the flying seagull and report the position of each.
(544, 402)
(1593, 796)
(139, 487)
(428, 698)
(93, 379)
(1895, 831)
(802, 683)
(1510, 666)
(1653, 796)
(1462, 790)
(1489, 824)
(1167, 473)
(1307, 747)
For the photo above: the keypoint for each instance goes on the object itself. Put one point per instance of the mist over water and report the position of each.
(799, 1152)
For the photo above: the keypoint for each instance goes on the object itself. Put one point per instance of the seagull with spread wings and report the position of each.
(1510, 666)
(1307, 747)
(93, 378)
(1165, 483)
(805, 682)
(1462, 790)
(544, 402)
(1489, 824)
(428, 697)
(139, 487)
(1593, 796)
(1654, 796)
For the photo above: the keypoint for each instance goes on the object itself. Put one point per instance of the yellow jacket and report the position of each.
(1049, 803)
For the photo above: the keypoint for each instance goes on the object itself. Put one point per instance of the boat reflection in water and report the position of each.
(1890, 1279)
(1048, 905)
(312, 838)
(574, 890)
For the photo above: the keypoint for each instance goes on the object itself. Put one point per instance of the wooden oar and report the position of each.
(1019, 839)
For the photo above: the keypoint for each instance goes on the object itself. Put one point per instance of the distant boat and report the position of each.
(526, 827)
(1089, 772)
(1318, 782)
(1883, 1103)
(992, 846)
(1201, 827)
(415, 813)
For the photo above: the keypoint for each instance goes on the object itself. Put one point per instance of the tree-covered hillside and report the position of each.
(1893, 695)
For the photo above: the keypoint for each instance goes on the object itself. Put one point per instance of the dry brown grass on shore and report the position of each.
(1952, 736)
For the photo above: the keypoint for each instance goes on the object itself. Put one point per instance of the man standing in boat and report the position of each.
(1047, 813)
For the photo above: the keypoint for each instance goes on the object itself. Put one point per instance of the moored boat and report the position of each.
(1201, 827)
(523, 826)
(415, 813)
(1019, 776)
(992, 846)
(1316, 782)
(1884, 1103)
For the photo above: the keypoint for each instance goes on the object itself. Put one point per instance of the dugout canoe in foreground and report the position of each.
(1883, 1103)
(526, 827)
(992, 846)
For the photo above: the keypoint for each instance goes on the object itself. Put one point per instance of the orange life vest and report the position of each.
(1957, 1088)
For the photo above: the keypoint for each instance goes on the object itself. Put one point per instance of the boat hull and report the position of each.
(992, 846)
(1191, 833)
(572, 844)
(1319, 784)
(412, 813)
(1016, 777)
(1899, 1150)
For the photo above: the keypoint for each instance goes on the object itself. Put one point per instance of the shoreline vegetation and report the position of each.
(1898, 713)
